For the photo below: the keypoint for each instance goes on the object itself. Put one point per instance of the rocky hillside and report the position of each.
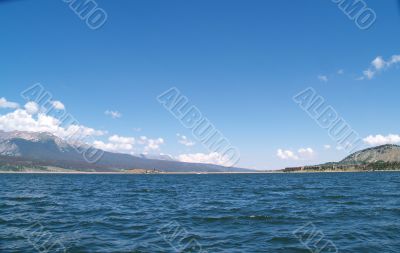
(385, 153)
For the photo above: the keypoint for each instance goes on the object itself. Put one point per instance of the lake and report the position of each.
(320, 212)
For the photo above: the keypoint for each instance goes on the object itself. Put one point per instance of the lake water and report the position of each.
(327, 212)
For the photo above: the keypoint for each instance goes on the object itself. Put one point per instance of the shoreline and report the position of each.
(186, 173)
(128, 173)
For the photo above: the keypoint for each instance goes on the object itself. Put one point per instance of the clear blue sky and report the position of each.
(239, 62)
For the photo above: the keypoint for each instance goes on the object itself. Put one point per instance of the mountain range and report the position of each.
(40, 150)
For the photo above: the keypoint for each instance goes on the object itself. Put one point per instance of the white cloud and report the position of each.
(130, 145)
(286, 155)
(369, 74)
(394, 60)
(153, 144)
(211, 158)
(113, 114)
(340, 72)
(185, 140)
(379, 139)
(323, 78)
(117, 144)
(121, 139)
(58, 105)
(31, 108)
(137, 129)
(327, 146)
(79, 130)
(306, 153)
(301, 154)
(379, 64)
(7, 104)
(150, 144)
(22, 120)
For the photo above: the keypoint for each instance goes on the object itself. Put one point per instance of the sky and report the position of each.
(240, 63)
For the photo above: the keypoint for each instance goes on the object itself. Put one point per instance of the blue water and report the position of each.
(330, 212)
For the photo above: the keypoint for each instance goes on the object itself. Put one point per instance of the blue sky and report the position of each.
(239, 62)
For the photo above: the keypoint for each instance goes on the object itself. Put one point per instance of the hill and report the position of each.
(385, 157)
(385, 153)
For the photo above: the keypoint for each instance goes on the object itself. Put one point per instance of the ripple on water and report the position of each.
(223, 213)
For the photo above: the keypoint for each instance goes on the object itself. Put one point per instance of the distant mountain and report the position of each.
(44, 149)
(385, 153)
(157, 157)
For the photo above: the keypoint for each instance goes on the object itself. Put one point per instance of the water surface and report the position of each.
(351, 212)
